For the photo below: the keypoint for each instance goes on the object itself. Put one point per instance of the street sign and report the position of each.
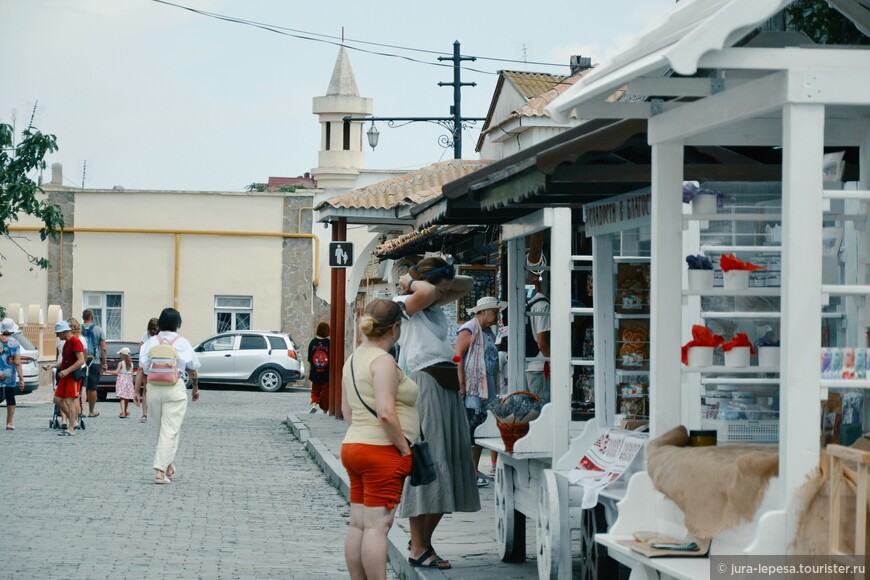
(340, 254)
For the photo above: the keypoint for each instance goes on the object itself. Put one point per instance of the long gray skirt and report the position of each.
(445, 425)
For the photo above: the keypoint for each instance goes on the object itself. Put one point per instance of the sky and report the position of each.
(145, 95)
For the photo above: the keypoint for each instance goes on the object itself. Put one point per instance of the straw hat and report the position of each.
(488, 303)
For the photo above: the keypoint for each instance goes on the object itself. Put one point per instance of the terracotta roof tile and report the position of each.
(535, 106)
(414, 187)
(531, 84)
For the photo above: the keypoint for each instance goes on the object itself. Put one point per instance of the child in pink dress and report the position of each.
(124, 382)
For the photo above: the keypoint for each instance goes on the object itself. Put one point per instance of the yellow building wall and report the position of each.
(141, 266)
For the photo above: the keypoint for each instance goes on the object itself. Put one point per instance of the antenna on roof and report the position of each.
(342, 34)
(84, 171)
(524, 56)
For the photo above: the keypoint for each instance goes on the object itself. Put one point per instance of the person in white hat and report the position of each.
(68, 384)
(478, 369)
(11, 373)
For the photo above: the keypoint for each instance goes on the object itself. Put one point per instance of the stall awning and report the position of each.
(677, 42)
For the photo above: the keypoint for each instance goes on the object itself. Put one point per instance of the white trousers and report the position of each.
(167, 406)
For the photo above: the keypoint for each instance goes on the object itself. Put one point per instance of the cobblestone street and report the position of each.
(247, 500)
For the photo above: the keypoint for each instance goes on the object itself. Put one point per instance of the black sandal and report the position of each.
(437, 561)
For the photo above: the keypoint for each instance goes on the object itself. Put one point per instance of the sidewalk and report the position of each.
(467, 540)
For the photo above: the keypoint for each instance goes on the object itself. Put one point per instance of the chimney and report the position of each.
(580, 63)
(56, 174)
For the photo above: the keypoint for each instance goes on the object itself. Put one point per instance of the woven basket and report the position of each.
(511, 432)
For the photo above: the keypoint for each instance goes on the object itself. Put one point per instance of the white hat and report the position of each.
(62, 326)
(124, 350)
(488, 303)
(8, 326)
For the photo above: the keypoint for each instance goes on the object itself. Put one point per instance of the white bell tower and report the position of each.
(341, 143)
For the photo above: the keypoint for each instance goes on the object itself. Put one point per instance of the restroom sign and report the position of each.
(340, 254)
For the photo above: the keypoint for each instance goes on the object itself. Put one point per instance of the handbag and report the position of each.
(422, 464)
(445, 374)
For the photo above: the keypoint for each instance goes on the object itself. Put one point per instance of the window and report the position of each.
(328, 134)
(252, 342)
(233, 313)
(277, 342)
(108, 312)
(346, 140)
(220, 343)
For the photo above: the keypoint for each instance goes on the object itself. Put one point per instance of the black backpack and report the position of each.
(532, 340)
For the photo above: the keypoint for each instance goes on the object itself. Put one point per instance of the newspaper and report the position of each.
(605, 462)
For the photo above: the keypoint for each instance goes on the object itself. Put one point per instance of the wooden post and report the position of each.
(336, 324)
(339, 307)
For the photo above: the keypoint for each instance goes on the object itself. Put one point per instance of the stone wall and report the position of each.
(301, 309)
(60, 281)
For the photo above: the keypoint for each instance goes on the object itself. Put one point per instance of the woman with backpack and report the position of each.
(161, 358)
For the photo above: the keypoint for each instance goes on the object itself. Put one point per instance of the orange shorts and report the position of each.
(67, 388)
(376, 472)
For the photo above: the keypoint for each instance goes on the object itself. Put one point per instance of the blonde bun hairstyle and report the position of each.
(378, 317)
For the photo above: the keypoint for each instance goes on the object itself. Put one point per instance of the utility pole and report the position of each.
(457, 85)
(453, 124)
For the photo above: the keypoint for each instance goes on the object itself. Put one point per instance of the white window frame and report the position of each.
(97, 301)
(233, 311)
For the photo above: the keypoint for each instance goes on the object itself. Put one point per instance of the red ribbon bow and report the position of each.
(730, 262)
(701, 336)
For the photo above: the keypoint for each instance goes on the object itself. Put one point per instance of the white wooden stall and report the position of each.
(801, 99)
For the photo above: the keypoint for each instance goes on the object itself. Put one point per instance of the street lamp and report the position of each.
(373, 135)
(454, 124)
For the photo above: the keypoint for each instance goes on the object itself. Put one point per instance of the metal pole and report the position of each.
(457, 85)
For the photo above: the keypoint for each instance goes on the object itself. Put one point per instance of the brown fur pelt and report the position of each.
(715, 487)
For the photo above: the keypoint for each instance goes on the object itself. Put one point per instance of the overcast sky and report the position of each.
(152, 96)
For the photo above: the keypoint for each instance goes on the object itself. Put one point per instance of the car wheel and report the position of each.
(102, 396)
(270, 381)
(186, 378)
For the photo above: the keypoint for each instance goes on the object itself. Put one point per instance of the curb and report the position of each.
(397, 539)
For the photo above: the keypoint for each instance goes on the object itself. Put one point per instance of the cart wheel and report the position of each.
(51, 424)
(82, 423)
(548, 528)
(510, 525)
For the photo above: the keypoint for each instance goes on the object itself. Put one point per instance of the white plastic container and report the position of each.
(700, 356)
(737, 357)
(768, 356)
(736, 279)
(700, 279)
(704, 204)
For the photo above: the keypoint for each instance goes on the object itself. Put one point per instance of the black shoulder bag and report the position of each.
(422, 464)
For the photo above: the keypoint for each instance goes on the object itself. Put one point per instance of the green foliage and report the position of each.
(823, 24)
(287, 188)
(18, 192)
(256, 187)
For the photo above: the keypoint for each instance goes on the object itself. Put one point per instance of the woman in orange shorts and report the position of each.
(72, 359)
(376, 451)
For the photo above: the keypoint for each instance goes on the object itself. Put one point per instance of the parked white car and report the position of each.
(269, 360)
(29, 363)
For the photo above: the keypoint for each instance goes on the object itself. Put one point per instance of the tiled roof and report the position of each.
(532, 84)
(535, 107)
(414, 187)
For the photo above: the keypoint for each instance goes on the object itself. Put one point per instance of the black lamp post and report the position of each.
(454, 124)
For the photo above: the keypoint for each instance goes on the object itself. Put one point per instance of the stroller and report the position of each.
(56, 418)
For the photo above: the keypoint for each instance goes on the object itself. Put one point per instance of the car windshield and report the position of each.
(25, 344)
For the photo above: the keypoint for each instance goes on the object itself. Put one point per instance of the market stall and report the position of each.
(807, 101)
(592, 180)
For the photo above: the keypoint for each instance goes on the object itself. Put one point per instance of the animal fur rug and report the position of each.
(715, 487)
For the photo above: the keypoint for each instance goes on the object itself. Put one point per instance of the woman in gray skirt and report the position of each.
(426, 354)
